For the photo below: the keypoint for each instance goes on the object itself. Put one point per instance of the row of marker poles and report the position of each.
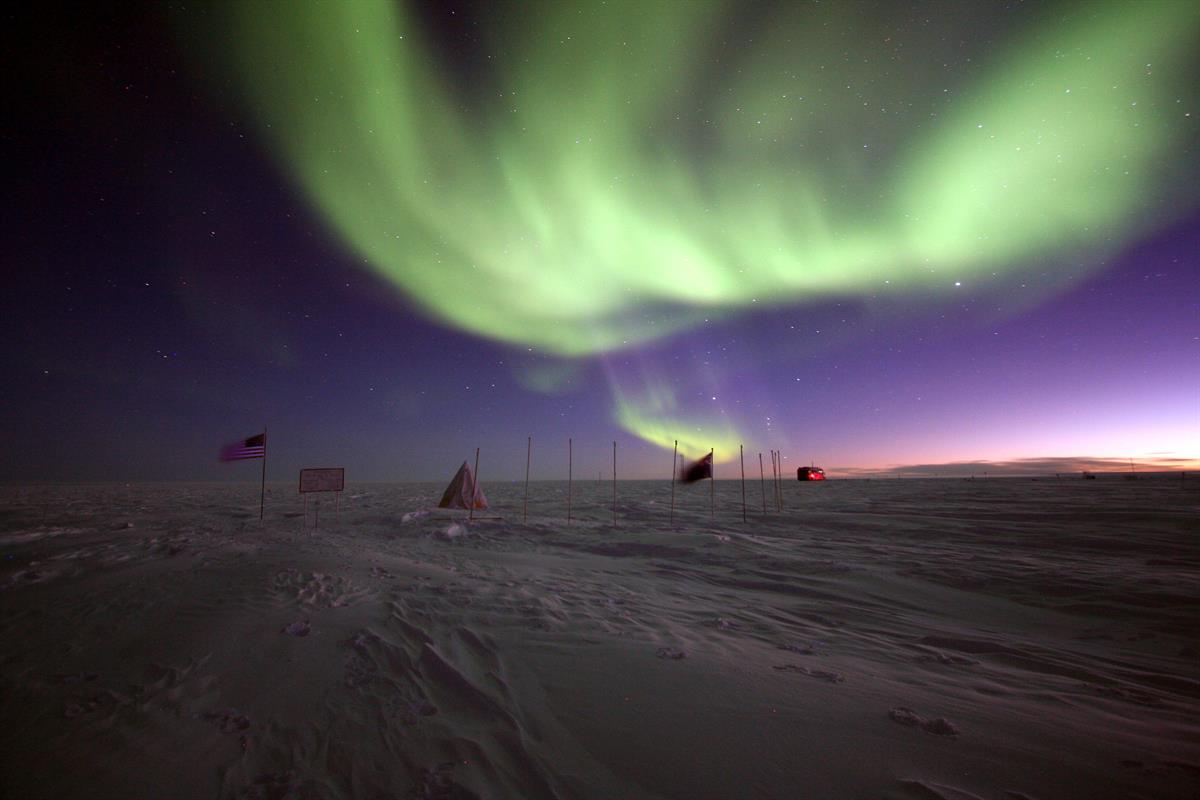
(776, 477)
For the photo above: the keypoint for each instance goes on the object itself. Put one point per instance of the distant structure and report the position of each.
(810, 474)
(1088, 476)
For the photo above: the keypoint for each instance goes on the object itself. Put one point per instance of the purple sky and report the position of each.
(168, 291)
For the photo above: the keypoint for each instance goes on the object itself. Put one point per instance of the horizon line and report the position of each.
(1022, 467)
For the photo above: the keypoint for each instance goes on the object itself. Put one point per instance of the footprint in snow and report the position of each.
(939, 727)
(831, 677)
(299, 628)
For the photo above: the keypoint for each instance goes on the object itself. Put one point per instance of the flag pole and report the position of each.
(528, 452)
(674, 458)
(712, 485)
(474, 486)
(568, 481)
(262, 491)
(742, 458)
(614, 483)
(762, 477)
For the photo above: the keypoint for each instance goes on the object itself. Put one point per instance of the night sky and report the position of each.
(878, 237)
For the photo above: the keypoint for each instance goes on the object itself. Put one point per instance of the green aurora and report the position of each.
(655, 417)
(617, 172)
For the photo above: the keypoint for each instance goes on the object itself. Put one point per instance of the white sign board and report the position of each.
(331, 479)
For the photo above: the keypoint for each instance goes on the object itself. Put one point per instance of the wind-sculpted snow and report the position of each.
(990, 639)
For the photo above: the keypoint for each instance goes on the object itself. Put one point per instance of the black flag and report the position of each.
(698, 471)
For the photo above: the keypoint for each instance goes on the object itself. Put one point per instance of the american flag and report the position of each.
(254, 447)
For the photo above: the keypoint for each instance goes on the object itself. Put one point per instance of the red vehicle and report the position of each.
(810, 474)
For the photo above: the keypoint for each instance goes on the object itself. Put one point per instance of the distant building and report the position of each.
(810, 474)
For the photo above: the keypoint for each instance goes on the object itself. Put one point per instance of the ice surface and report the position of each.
(990, 639)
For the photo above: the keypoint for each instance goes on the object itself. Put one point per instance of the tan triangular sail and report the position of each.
(462, 491)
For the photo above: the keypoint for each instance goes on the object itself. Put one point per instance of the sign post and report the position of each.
(325, 479)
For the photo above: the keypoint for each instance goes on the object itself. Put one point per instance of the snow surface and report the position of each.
(996, 638)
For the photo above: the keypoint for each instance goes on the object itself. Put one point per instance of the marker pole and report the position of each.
(262, 493)
(614, 483)
(742, 458)
(528, 453)
(712, 484)
(762, 477)
(474, 485)
(674, 459)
